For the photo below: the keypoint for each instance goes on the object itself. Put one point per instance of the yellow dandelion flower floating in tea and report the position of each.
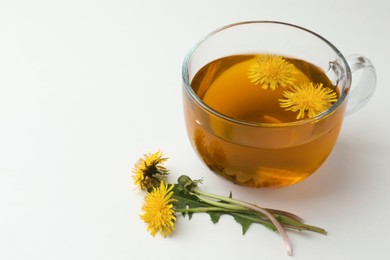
(308, 98)
(149, 170)
(272, 71)
(158, 210)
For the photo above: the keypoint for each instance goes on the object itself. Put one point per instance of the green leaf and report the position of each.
(188, 204)
(188, 201)
(246, 219)
(243, 222)
(185, 200)
(215, 216)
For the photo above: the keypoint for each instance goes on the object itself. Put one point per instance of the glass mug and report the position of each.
(269, 153)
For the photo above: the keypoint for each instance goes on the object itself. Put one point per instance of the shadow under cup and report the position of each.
(264, 154)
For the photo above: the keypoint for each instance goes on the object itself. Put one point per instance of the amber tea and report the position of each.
(264, 101)
(263, 89)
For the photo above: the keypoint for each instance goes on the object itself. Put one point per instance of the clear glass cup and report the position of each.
(274, 154)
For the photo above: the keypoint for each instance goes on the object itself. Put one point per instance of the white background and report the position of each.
(87, 87)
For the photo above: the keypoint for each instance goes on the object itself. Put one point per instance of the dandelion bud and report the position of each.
(185, 181)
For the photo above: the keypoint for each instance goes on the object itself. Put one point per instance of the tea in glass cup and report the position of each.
(264, 101)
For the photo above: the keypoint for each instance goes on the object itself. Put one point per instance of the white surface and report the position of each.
(87, 87)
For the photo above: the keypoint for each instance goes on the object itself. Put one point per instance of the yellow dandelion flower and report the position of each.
(158, 210)
(272, 71)
(149, 170)
(308, 98)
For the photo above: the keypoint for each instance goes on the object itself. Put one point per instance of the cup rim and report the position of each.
(194, 96)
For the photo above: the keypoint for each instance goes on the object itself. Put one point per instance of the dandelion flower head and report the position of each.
(271, 71)
(308, 98)
(159, 214)
(149, 170)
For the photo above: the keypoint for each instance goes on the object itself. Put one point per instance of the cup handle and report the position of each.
(364, 88)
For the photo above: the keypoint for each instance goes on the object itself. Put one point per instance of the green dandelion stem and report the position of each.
(240, 205)
(288, 220)
(206, 209)
(291, 223)
(285, 214)
(221, 205)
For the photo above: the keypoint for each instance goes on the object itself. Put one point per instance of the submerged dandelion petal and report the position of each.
(158, 210)
(309, 98)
